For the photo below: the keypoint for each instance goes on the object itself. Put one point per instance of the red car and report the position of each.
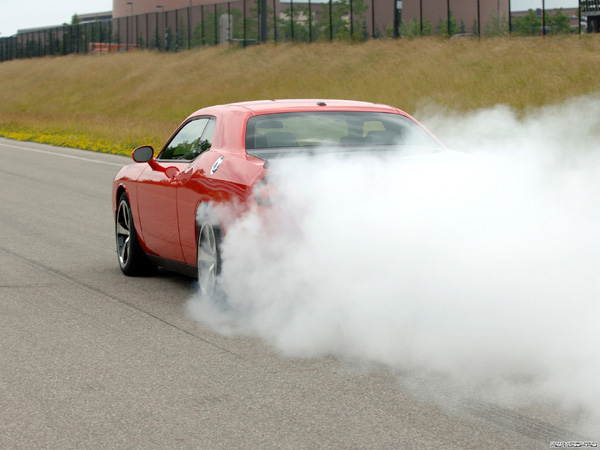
(163, 205)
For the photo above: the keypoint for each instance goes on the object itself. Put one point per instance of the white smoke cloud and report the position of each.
(479, 271)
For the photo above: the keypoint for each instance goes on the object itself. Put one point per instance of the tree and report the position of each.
(412, 29)
(181, 40)
(475, 28)
(442, 28)
(169, 40)
(496, 26)
(157, 40)
(559, 22)
(528, 25)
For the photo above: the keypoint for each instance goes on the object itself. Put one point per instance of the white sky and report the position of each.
(21, 14)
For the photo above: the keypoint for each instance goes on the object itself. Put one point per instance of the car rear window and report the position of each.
(327, 130)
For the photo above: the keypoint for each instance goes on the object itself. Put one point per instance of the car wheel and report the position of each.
(132, 259)
(208, 259)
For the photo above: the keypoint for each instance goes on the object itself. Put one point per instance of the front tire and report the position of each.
(208, 259)
(132, 259)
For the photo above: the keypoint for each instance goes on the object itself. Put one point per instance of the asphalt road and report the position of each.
(91, 359)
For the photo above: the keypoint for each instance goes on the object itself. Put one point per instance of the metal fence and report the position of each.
(241, 22)
(235, 22)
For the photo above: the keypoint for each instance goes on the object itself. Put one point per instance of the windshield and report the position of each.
(325, 131)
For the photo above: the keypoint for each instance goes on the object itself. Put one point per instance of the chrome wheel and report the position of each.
(123, 232)
(208, 260)
(132, 259)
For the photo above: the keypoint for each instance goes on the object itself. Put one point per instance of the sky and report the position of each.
(22, 14)
(16, 15)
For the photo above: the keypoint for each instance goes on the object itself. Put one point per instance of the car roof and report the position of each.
(291, 105)
(229, 134)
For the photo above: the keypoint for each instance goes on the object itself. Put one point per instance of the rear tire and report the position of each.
(132, 259)
(208, 259)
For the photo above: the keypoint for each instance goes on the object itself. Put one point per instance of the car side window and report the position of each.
(192, 139)
(207, 136)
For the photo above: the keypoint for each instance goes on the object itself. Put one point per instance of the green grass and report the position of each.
(115, 102)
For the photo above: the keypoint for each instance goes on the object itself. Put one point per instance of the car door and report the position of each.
(157, 190)
(195, 186)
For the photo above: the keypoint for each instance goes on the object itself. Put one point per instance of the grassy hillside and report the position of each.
(115, 102)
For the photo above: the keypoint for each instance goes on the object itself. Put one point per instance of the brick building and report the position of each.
(379, 12)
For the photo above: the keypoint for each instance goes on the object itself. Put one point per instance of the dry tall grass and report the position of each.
(127, 99)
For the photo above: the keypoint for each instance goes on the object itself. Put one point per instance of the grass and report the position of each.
(115, 102)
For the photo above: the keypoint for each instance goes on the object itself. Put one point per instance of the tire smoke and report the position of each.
(474, 272)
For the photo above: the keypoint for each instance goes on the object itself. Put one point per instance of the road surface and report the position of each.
(92, 359)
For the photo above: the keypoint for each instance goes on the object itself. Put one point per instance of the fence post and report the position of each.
(137, 31)
(156, 29)
(166, 14)
(351, 22)
(216, 26)
(244, 21)
(448, 14)
(373, 19)
(309, 22)
(510, 20)
(478, 20)
(578, 15)
(230, 24)
(202, 24)
(543, 18)
(421, 17)
(330, 20)
(275, 20)
(259, 4)
(189, 18)
(292, 19)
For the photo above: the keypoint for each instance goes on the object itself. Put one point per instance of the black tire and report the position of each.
(208, 259)
(132, 259)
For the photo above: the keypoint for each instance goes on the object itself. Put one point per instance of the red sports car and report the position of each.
(164, 206)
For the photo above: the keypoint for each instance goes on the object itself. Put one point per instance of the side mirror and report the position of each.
(143, 154)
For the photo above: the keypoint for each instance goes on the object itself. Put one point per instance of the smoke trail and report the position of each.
(480, 269)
